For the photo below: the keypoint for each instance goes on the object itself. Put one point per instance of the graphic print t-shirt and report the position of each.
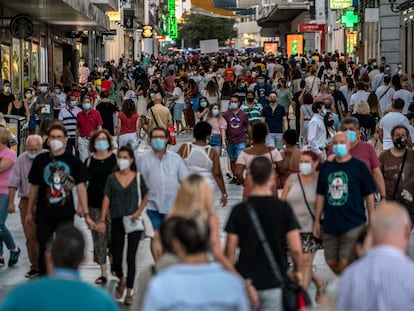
(53, 200)
(236, 125)
(344, 186)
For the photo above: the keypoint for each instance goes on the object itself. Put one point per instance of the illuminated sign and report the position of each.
(349, 18)
(294, 44)
(172, 28)
(339, 4)
(147, 31)
(351, 42)
(271, 47)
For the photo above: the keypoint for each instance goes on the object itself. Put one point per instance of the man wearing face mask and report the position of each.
(262, 91)
(362, 151)
(18, 183)
(252, 108)
(163, 171)
(44, 105)
(51, 177)
(317, 130)
(397, 165)
(6, 97)
(275, 116)
(345, 192)
(87, 121)
(67, 117)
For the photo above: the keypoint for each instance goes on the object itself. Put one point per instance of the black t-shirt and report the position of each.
(99, 170)
(277, 219)
(5, 100)
(53, 201)
(107, 109)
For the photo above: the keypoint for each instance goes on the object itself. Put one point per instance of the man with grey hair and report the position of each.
(382, 279)
(362, 151)
(19, 182)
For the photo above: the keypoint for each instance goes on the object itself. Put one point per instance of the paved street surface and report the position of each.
(10, 277)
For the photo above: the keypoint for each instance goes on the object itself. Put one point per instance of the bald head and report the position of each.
(340, 138)
(391, 225)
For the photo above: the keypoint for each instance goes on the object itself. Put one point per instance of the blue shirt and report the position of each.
(57, 293)
(262, 91)
(185, 287)
(162, 177)
(382, 280)
(274, 118)
(344, 186)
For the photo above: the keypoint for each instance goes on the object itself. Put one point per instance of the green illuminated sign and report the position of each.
(349, 19)
(294, 47)
(172, 29)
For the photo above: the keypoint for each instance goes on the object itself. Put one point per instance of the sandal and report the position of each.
(128, 300)
(119, 290)
(320, 291)
(102, 280)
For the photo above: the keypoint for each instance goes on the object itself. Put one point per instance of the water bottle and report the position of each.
(223, 153)
(301, 140)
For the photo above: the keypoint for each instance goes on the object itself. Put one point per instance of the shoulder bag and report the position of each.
(397, 184)
(293, 295)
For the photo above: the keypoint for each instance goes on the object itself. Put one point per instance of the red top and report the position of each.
(106, 84)
(128, 125)
(88, 122)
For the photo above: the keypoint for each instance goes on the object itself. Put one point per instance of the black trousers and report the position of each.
(45, 230)
(118, 243)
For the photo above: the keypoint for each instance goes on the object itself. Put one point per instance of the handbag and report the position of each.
(293, 295)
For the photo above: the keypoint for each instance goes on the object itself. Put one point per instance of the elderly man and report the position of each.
(158, 115)
(382, 279)
(18, 182)
(344, 188)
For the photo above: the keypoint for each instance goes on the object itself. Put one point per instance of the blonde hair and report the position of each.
(194, 193)
(5, 135)
(362, 107)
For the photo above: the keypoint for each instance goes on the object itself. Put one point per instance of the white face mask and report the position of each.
(56, 144)
(306, 168)
(123, 164)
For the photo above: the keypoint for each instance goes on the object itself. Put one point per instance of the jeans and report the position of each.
(118, 241)
(270, 299)
(5, 235)
(234, 150)
(274, 140)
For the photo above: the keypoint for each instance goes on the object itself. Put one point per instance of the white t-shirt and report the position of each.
(386, 100)
(180, 93)
(387, 123)
(406, 96)
(360, 95)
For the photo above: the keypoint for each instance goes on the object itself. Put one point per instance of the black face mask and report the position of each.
(400, 143)
(249, 99)
(330, 123)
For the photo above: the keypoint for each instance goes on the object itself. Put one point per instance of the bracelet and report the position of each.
(85, 214)
(224, 195)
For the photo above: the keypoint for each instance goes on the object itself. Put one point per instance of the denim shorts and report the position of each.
(156, 218)
(234, 150)
(215, 140)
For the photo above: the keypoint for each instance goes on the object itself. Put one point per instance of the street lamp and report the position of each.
(399, 7)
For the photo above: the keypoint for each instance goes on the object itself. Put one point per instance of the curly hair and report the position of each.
(128, 107)
(362, 107)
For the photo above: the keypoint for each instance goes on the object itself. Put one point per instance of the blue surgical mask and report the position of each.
(7, 89)
(86, 106)
(72, 103)
(234, 106)
(215, 112)
(32, 156)
(323, 113)
(44, 89)
(203, 104)
(101, 145)
(340, 150)
(351, 136)
(158, 144)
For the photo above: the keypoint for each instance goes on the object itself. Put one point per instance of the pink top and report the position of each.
(217, 125)
(245, 158)
(6, 153)
(128, 125)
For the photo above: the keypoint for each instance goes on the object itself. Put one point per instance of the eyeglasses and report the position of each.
(56, 137)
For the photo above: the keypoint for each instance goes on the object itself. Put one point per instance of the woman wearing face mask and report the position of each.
(211, 92)
(202, 110)
(303, 204)
(19, 107)
(218, 128)
(100, 165)
(330, 131)
(121, 197)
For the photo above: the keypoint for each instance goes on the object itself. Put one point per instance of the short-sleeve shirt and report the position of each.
(128, 125)
(277, 219)
(47, 111)
(274, 118)
(236, 126)
(262, 92)
(253, 113)
(68, 118)
(88, 122)
(217, 124)
(6, 153)
(106, 110)
(344, 186)
(123, 201)
(53, 201)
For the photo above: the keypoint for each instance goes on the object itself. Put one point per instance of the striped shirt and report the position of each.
(380, 281)
(254, 114)
(68, 118)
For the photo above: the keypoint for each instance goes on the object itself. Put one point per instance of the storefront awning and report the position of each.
(206, 7)
(282, 13)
